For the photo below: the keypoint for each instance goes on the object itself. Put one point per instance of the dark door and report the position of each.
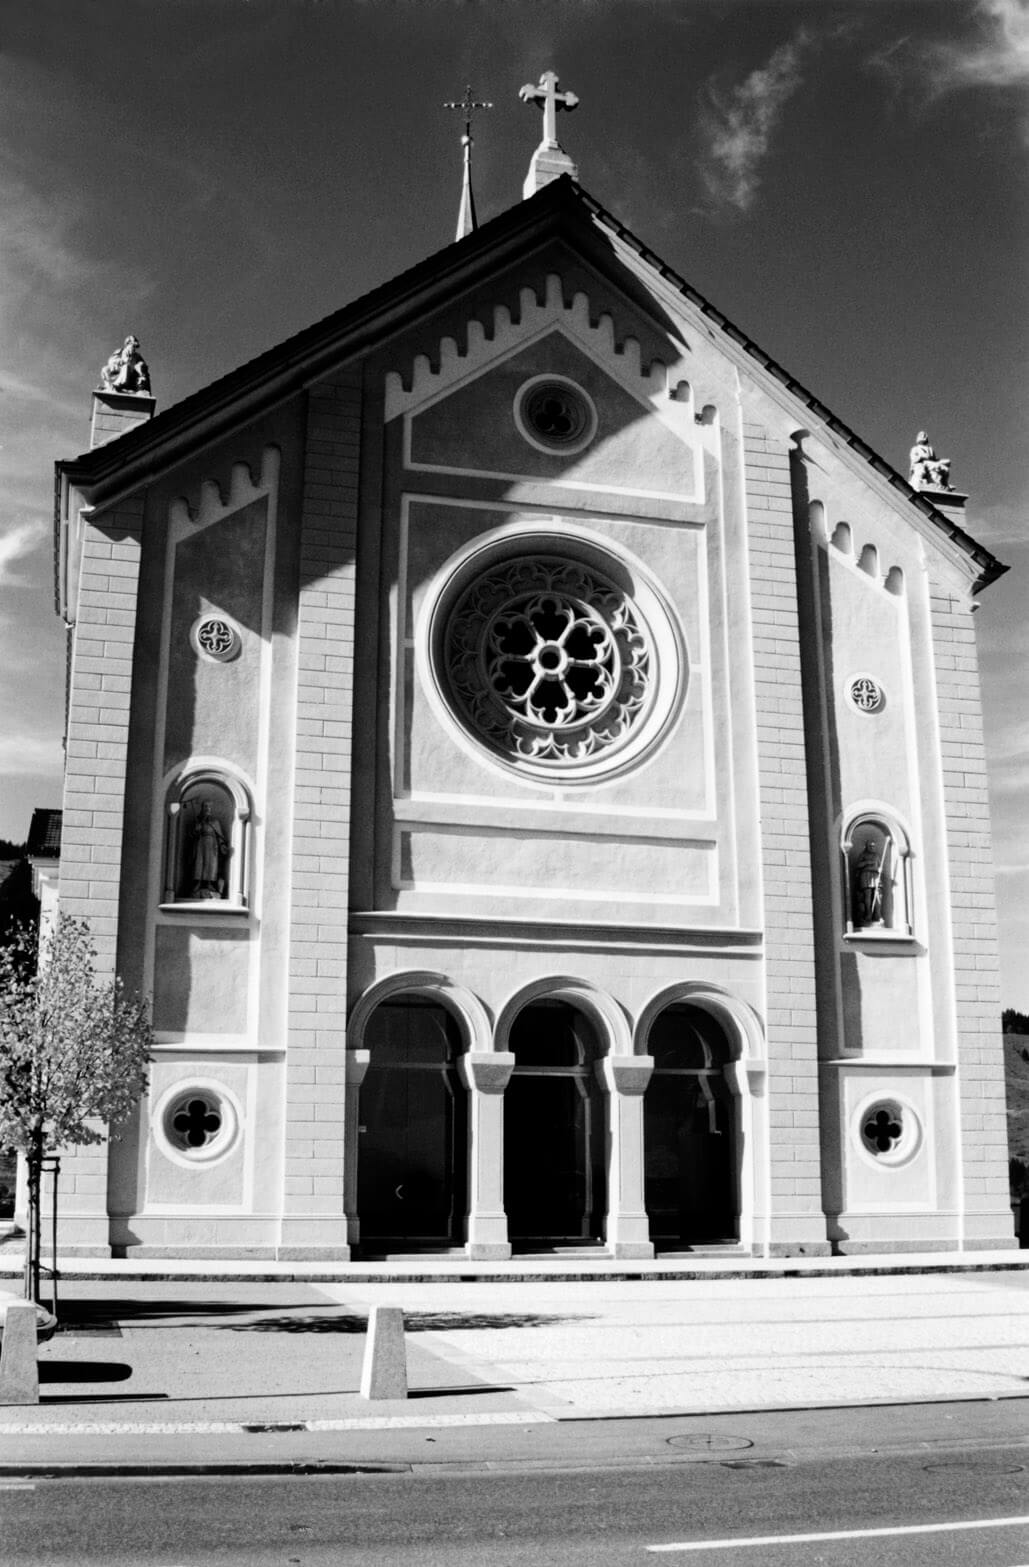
(689, 1132)
(554, 1184)
(413, 1142)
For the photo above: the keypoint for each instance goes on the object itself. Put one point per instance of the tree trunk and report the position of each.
(34, 1161)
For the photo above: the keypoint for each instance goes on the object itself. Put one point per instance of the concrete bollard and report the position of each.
(19, 1372)
(384, 1374)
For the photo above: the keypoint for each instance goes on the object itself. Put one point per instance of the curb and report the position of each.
(299, 1466)
(761, 1272)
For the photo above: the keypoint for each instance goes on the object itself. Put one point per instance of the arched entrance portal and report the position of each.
(412, 1160)
(554, 1183)
(689, 1130)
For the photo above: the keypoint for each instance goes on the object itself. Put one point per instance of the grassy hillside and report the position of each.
(1016, 1073)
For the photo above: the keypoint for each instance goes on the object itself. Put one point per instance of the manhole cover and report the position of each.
(709, 1442)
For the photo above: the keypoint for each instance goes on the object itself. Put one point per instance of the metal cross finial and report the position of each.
(467, 222)
(552, 100)
(468, 105)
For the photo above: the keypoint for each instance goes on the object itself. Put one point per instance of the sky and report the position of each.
(846, 182)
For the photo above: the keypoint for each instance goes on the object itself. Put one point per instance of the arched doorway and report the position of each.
(689, 1131)
(412, 1161)
(554, 1168)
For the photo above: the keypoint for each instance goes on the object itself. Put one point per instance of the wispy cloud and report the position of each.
(992, 53)
(15, 543)
(738, 124)
(998, 56)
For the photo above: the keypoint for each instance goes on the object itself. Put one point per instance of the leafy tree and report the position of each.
(73, 1052)
(1013, 1022)
(19, 905)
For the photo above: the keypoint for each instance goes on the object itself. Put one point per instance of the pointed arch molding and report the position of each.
(596, 1003)
(466, 1008)
(661, 386)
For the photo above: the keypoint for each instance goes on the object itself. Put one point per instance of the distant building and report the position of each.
(531, 751)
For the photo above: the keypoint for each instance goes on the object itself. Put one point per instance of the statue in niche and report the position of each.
(211, 849)
(126, 370)
(868, 884)
(928, 472)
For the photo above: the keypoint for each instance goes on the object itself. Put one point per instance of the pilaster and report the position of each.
(796, 1222)
(313, 1215)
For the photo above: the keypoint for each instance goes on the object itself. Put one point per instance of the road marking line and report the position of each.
(840, 1534)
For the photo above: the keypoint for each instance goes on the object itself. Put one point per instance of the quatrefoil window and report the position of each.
(890, 1131)
(215, 637)
(555, 415)
(883, 1130)
(196, 1124)
(866, 694)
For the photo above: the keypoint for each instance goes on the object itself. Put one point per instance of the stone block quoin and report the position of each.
(976, 963)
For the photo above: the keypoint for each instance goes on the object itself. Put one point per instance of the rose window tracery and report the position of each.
(548, 662)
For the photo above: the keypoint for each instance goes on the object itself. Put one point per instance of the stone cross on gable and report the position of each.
(552, 100)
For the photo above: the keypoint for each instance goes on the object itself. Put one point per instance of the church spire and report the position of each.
(550, 160)
(467, 222)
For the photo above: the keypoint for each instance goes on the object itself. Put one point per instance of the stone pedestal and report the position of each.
(115, 413)
(628, 1229)
(485, 1074)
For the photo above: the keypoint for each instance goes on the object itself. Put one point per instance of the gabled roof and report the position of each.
(44, 840)
(562, 208)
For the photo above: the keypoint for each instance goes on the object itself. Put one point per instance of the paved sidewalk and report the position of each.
(194, 1371)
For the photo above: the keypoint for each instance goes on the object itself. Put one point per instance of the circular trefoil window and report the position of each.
(548, 662)
(555, 415)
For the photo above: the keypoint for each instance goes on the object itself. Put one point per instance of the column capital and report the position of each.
(625, 1074)
(486, 1071)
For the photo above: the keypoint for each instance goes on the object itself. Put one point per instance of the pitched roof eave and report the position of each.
(151, 448)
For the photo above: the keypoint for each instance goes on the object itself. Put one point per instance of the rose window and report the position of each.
(548, 662)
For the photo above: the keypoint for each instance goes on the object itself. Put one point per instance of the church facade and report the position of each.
(530, 751)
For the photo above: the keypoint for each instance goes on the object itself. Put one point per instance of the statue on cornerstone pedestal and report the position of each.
(210, 848)
(126, 370)
(928, 472)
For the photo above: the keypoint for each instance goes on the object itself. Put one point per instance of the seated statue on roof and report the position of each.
(928, 472)
(126, 370)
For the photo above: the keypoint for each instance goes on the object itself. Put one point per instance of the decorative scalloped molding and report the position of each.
(657, 384)
(211, 502)
(864, 558)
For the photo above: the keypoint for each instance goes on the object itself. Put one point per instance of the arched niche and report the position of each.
(877, 874)
(207, 856)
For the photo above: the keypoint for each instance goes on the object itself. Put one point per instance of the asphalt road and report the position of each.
(525, 1517)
